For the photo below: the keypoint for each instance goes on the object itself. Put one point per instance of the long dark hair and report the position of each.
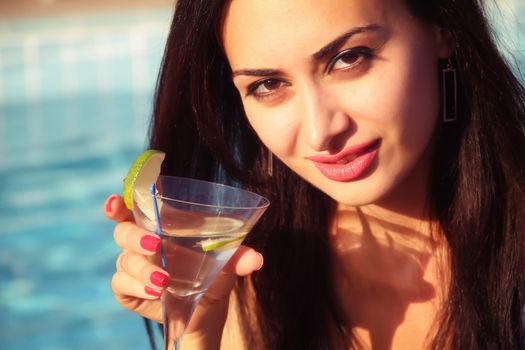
(477, 187)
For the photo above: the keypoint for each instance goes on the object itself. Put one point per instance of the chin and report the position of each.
(353, 195)
(364, 192)
(353, 200)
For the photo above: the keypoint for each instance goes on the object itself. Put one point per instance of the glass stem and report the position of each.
(177, 312)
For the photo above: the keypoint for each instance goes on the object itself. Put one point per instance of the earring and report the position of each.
(450, 93)
(269, 164)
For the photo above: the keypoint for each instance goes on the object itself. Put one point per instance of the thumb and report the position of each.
(245, 261)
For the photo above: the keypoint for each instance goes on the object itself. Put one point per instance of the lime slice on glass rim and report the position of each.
(143, 172)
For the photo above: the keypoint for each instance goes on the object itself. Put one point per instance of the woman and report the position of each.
(393, 133)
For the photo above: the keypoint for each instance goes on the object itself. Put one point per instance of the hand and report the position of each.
(138, 282)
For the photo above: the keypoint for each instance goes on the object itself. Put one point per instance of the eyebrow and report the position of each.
(257, 72)
(340, 40)
(327, 49)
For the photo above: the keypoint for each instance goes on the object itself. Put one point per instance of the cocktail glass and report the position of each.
(201, 225)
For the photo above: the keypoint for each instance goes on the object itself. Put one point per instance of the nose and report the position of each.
(325, 123)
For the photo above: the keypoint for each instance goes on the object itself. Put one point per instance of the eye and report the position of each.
(265, 88)
(349, 59)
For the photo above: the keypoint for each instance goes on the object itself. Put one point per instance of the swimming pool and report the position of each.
(75, 96)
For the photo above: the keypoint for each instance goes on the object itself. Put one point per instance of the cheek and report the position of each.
(276, 127)
(406, 108)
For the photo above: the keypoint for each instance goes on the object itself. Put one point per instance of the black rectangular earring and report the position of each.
(450, 94)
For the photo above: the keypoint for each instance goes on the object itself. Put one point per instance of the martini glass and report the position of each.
(201, 225)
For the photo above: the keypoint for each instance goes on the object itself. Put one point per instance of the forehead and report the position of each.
(257, 30)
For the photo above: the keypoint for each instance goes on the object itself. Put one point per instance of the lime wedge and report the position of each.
(214, 244)
(144, 171)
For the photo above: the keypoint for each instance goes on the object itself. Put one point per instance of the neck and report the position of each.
(377, 232)
(401, 218)
(391, 241)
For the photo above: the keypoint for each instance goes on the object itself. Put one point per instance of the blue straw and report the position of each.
(153, 191)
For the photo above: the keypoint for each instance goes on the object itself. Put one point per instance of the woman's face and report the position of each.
(344, 92)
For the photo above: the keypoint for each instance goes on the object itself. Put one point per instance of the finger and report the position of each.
(141, 269)
(116, 210)
(125, 286)
(244, 262)
(131, 237)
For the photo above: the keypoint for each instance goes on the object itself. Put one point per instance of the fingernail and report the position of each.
(261, 264)
(109, 202)
(159, 279)
(150, 243)
(152, 291)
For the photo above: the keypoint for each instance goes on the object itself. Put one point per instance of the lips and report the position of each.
(349, 164)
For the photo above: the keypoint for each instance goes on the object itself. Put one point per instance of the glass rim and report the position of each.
(265, 201)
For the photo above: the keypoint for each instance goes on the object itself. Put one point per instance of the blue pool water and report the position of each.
(75, 97)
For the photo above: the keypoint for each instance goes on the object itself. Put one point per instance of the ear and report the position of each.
(445, 42)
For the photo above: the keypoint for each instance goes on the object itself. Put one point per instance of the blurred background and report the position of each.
(76, 85)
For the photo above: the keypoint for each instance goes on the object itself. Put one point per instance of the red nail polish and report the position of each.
(110, 200)
(150, 243)
(152, 291)
(159, 279)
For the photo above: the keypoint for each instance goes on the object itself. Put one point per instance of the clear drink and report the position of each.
(194, 255)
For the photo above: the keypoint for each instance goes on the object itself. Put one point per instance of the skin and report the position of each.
(303, 104)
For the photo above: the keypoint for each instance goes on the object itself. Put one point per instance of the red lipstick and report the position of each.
(349, 164)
